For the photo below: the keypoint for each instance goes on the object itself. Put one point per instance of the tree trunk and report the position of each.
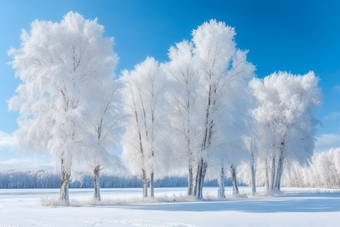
(152, 185)
(233, 178)
(279, 174)
(220, 193)
(198, 179)
(96, 171)
(64, 184)
(204, 171)
(273, 176)
(145, 184)
(190, 181)
(195, 183)
(201, 171)
(253, 179)
(267, 177)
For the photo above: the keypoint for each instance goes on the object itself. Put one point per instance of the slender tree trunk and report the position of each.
(202, 166)
(195, 183)
(152, 185)
(145, 184)
(253, 179)
(279, 167)
(204, 171)
(198, 179)
(279, 174)
(190, 181)
(233, 178)
(220, 192)
(190, 171)
(96, 184)
(273, 176)
(201, 171)
(267, 177)
(253, 150)
(64, 183)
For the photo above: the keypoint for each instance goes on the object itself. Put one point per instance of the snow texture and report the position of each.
(295, 207)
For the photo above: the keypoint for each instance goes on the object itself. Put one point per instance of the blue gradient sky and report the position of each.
(294, 36)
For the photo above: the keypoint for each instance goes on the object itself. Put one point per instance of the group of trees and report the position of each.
(322, 172)
(68, 99)
(51, 179)
(201, 114)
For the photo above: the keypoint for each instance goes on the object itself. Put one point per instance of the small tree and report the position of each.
(107, 128)
(62, 66)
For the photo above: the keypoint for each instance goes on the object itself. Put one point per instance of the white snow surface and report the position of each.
(295, 207)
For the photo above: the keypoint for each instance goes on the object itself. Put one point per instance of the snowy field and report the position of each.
(296, 207)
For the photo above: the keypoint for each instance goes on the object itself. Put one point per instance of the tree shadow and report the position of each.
(309, 202)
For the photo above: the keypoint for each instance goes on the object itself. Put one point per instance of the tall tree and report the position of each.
(62, 66)
(224, 74)
(182, 96)
(144, 102)
(287, 125)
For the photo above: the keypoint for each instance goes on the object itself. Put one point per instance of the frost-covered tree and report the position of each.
(323, 171)
(286, 120)
(182, 96)
(62, 66)
(144, 101)
(224, 74)
(107, 128)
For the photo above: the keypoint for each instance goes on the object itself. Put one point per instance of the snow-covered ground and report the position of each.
(297, 207)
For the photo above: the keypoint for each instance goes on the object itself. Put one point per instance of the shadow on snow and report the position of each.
(308, 202)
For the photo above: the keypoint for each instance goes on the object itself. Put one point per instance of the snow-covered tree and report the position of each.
(107, 128)
(182, 96)
(286, 120)
(62, 66)
(145, 103)
(323, 171)
(224, 74)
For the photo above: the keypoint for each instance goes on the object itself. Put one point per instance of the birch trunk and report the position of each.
(279, 174)
(273, 175)
(202, 166)
(201, 171)
(253, 179)
(267, 177)
(198, 179)
(96, 182)
(204, 171)
(190, 181)
(195, 183)
(145, 184)
(233, 178)
(280, 165)
(253, 149)
(64, 184)
(220, 193)
(152, 185)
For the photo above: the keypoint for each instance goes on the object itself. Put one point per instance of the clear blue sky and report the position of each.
(295, 36)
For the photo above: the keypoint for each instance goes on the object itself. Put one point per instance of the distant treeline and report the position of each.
(46, 179)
